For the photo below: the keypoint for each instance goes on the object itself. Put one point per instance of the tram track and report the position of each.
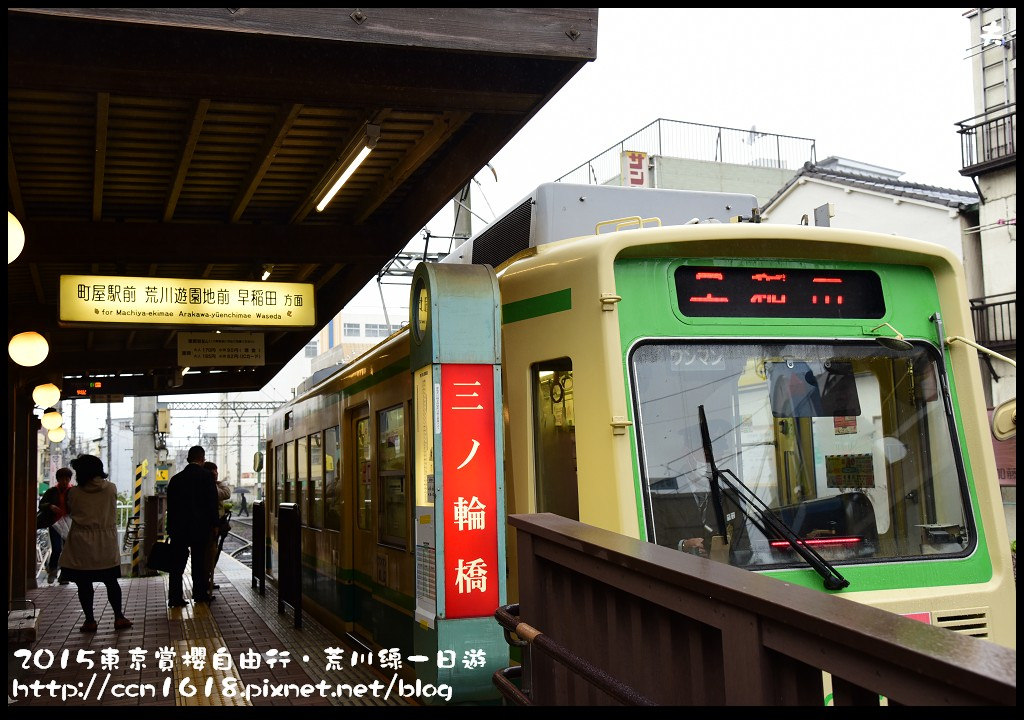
(238, 543)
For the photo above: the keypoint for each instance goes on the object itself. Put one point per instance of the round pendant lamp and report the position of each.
(28, 348)
(15, 238)
(52, 419)
(46, 395)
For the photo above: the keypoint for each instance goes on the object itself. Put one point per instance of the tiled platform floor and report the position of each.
(239, 620)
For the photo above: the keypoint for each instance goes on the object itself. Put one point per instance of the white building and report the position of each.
(870, 197)
(989, 152)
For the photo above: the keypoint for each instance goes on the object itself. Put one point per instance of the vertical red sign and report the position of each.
(469, 490)
(637, 163)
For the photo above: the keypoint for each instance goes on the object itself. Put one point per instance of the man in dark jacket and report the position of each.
(192, 525)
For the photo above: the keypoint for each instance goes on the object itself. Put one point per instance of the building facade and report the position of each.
(874, 198)
(989, 153)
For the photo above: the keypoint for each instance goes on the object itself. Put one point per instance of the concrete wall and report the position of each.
(998, 241)
(997, 217)
(683, 174)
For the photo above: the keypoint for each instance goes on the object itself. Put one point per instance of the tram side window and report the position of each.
(364, 487)
(391, 448)
(554, 438)
(289, 473)
(333, 496)
(302, 477)
(279, 475)
(316, 480)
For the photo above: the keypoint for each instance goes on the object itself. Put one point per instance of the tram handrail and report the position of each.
(508, 618)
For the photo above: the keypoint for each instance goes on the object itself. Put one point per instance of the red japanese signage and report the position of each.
(469, 491)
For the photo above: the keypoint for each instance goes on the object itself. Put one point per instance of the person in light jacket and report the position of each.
(90, 553)
(223, 494)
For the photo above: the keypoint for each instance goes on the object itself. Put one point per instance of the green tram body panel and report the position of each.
(649, 310)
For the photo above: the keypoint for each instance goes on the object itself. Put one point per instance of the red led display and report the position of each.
(779, 292)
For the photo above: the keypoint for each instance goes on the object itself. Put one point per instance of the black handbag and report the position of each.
(166, 558)
(224, 525)
(45, 518)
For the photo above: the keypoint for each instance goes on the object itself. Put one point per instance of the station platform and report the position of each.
(235, 651)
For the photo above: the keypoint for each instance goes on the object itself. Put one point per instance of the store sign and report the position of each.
(95, 299)
(218, 349)
(471, 572)
(633, 171)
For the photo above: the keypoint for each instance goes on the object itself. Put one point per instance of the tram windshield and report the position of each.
(847, 443)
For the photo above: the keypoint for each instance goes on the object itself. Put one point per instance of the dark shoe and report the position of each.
(88, 626)
(204, 599)
(177, 603)
(122, 623)
(215, 586)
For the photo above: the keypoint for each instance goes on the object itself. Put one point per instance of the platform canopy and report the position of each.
(195, 143)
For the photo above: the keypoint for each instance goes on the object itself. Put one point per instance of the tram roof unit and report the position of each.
(556, 211)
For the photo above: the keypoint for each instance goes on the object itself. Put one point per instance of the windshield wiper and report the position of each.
(833, 580)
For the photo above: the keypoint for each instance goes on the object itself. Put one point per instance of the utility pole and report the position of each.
(144, 440)
(110, 440)
(238, 465)
(463, 216)
(73, 444)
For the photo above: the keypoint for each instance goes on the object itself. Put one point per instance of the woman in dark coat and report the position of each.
(91, 554)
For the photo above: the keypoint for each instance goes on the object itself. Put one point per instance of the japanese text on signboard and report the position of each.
(101, 299)
(469, 490)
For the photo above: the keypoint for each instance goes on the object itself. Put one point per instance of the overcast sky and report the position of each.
(882, 86)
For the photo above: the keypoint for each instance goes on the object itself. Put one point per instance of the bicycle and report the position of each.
(42, 549)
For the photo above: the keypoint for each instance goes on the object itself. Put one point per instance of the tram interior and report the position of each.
(847, 443)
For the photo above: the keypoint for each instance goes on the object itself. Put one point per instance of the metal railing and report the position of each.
(988, 141)
(605, 619)
(695, 141)
(123, 511)
(995, 320)
(126, 529)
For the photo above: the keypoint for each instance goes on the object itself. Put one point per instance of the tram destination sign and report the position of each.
(100, 299)
(767, 292)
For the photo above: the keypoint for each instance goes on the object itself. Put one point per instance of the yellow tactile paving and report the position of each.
(201, 687)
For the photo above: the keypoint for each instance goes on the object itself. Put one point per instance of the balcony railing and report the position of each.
(695, 141)
(995, 320)
(988, 141)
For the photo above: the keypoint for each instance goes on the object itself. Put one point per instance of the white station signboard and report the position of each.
(218, 349)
